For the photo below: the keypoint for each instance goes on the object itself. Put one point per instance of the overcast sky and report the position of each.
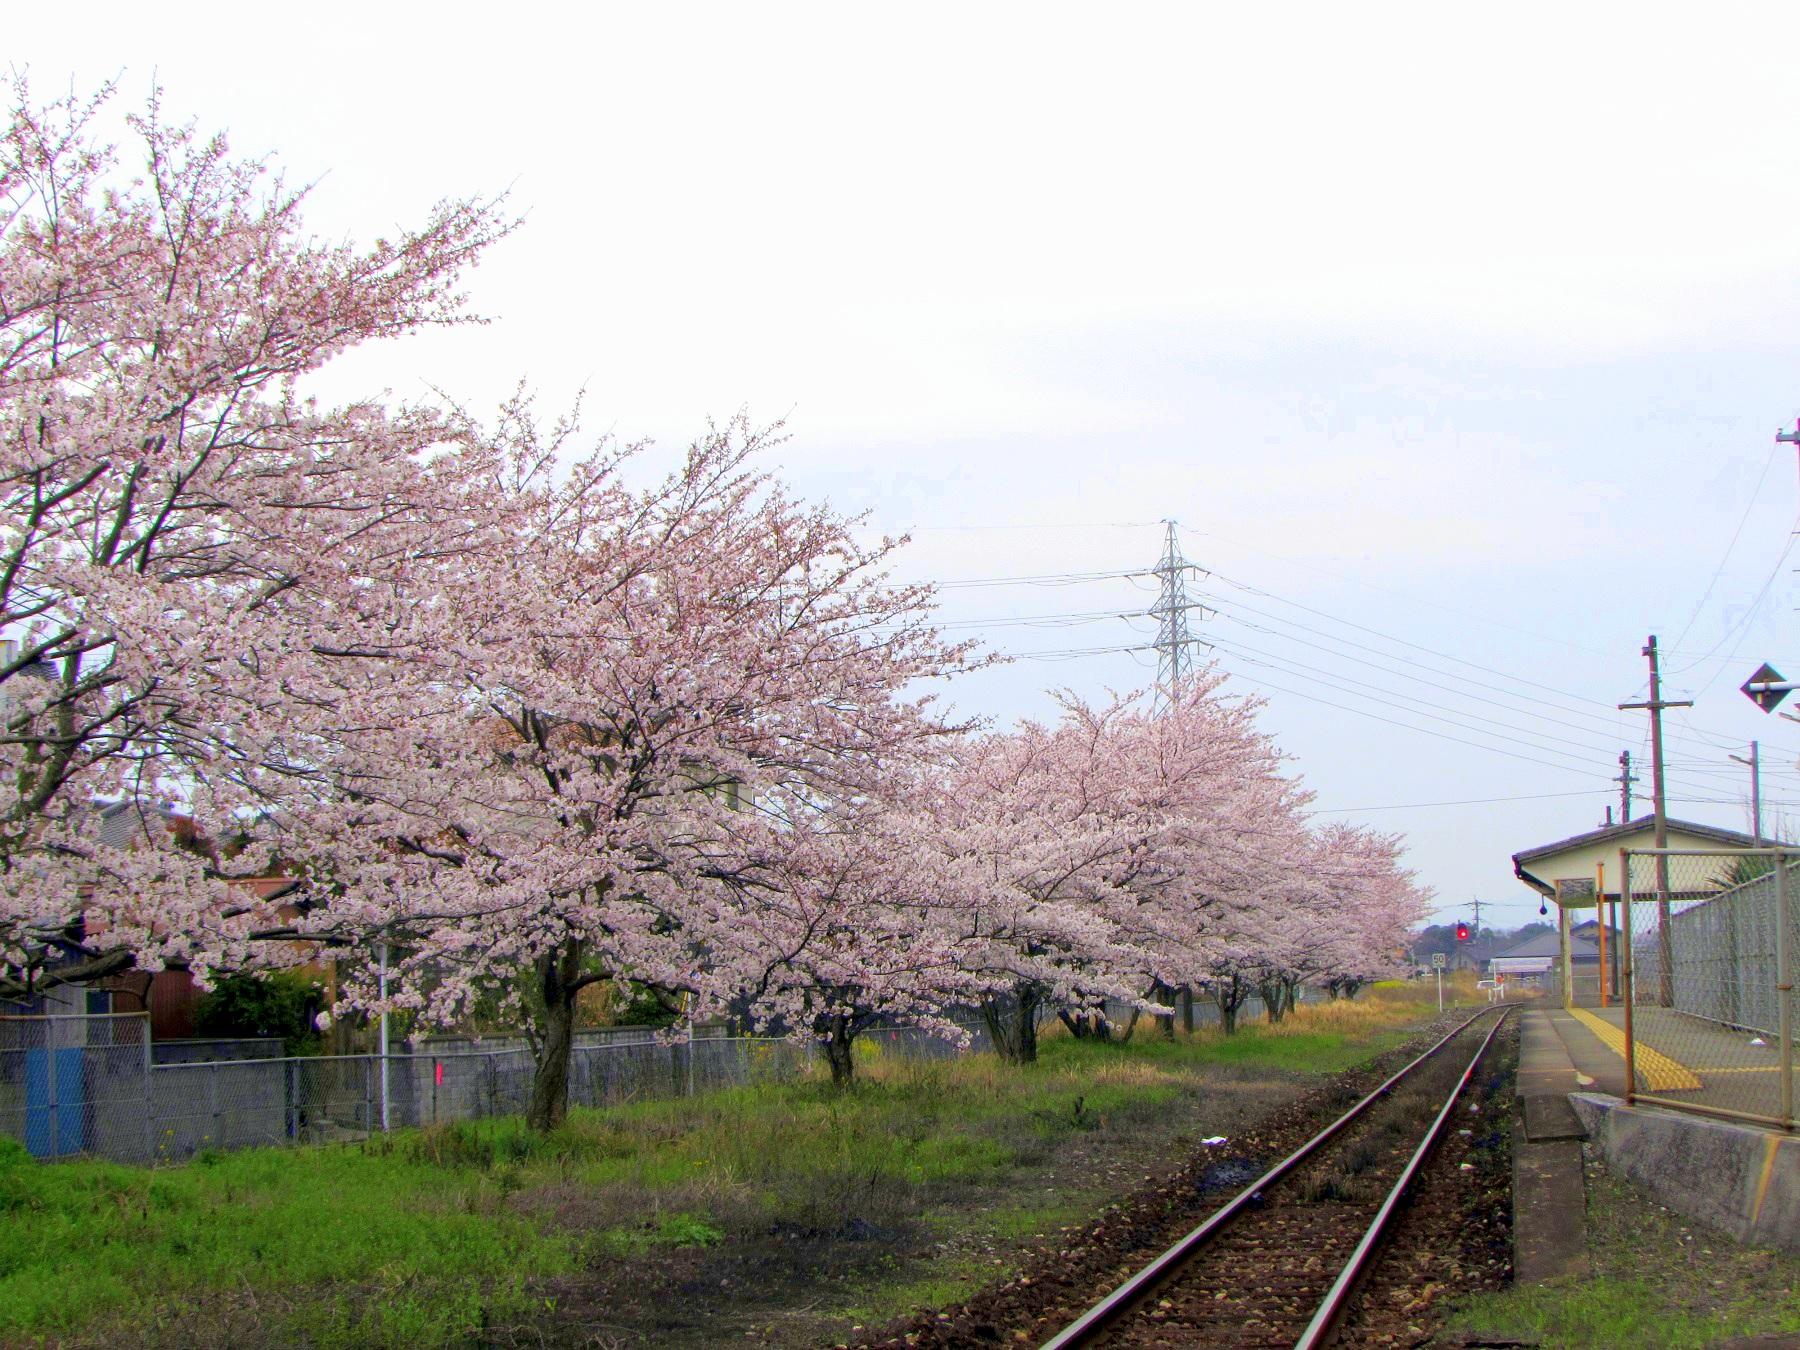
(1468, 327)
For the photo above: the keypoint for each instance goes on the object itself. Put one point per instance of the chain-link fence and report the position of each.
(87, 1084)
(76, 1084)
(1708, 941)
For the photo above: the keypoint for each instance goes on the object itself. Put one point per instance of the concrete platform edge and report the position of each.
(1549, 1194)
(1740, 1179)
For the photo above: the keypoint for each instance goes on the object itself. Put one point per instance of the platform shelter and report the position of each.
(1579, 876)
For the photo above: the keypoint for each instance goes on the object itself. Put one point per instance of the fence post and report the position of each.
(149, 1090)
(1784, 991)
(384, 1038)
(1630, 986)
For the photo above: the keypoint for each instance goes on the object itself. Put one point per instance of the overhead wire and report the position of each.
(1593, 717)
(1463, 801)
(1736, 534)
(1608, 719)
(1486, 619)
(1317, 645)
(1413, 707)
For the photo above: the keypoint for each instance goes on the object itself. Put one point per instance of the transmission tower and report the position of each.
(1174, 662)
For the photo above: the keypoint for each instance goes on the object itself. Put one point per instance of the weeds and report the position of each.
(426, 1236)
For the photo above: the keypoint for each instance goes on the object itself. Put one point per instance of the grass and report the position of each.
(429, 1236)
(1657, 1279)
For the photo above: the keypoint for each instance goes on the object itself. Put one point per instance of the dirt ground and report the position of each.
(794, 1286)
(1063, 1277)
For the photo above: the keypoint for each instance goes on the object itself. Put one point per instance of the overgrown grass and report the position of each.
(426, 1236)
(1657, 1279)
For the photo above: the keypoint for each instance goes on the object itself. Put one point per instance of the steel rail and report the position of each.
(1332, 1307)
(1103, 1314)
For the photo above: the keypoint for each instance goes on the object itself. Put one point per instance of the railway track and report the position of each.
(1279, 1264)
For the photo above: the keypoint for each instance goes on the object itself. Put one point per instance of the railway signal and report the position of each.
(1462, 932)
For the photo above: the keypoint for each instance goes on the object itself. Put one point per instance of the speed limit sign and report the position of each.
(1437, 959)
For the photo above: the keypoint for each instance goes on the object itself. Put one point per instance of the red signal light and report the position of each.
(1462, 932)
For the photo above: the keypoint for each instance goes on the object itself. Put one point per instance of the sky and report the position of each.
(1455, 339)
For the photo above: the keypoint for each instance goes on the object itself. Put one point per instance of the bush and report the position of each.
(279, 1004)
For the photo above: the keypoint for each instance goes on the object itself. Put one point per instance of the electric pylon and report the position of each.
(1174, 662)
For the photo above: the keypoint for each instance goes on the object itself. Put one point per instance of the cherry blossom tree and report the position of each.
(1112, 841)
(175, 514)
(559, 760)
(861, 922)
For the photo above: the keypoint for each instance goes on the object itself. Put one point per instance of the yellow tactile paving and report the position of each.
(1739, 1068)
(1659, 1072)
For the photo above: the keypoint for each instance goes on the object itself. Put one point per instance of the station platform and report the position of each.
(1741, 1178)
(1685, 1059)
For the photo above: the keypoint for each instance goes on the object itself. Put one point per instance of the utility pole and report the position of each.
(1625, 779)
(1660, 804)
(1174, 663)
(1477, 932)
(1755, 763)
(1789, 437)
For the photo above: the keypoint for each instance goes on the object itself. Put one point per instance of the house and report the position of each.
(1581, 873)
(1537, 958)
(169, 997)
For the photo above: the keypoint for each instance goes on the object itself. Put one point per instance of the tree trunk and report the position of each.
(1290, 993)
(1187, 1009)
(1165, 997)
(1085, 1026)
(838, 1039)
(557, 972)
(1271, 1001)
(1012, 1022)
(1230, 995)
(1130, 1027)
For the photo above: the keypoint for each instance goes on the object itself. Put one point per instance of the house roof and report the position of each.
(1625, 830)
(1546, 944)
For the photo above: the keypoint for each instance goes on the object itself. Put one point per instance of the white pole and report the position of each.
(1440, 975)
(384, 1037)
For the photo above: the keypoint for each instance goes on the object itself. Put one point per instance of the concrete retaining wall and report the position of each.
(1738, 1178)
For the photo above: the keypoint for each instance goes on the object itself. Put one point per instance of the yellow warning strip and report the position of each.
(1660, 1073)
(1740, 1068)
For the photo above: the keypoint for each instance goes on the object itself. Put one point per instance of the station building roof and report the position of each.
(1582, 858)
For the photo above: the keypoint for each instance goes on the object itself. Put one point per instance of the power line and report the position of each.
(1465, 801)
(1041, 579)
(1040, 525)
(1412, 707)
(1420, 679)
(1074, 653)
(1610, 723)
(1719, 571)
(1554, 744)
(1742, 627)
(1418, 647)
(1423, 731)
(1487, 619)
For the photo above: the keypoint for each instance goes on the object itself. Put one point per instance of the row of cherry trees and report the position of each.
(520, 712)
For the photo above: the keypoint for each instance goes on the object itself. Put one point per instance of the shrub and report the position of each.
(279, 1004)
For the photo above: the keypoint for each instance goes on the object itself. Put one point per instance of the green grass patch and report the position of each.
(1656, 1279)
(670, 1230)
(425, 1237)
